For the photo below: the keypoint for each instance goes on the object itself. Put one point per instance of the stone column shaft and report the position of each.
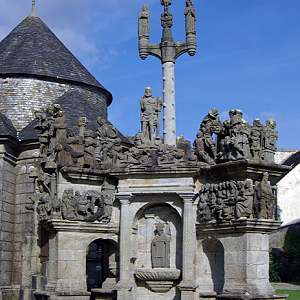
(169, 118)
(124, 286)
(188, 285)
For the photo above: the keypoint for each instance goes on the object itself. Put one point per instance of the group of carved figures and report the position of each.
(216, 142)
(59, 146)
(189, 12)
(77, 206)
(235, 139)
(236, 199)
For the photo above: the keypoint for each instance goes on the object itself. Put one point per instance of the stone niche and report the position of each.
(158, 251)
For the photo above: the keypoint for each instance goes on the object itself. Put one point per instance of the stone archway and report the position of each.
(213, 264)
(101, 263)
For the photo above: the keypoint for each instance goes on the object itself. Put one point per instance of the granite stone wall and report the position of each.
(7, 195)
(26, 256)
(20, 97)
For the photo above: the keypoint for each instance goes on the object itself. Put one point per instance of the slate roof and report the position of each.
(74, 105)
(33, 49)
(6, 127)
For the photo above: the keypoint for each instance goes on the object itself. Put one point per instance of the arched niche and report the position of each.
(213, 265)
(145, 225)
(102, 261)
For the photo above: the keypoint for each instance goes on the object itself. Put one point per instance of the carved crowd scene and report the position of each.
(75, 205)
(232, 199)
(235, 139)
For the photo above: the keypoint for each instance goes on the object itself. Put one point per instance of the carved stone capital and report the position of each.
(124, 198)
(188, 197)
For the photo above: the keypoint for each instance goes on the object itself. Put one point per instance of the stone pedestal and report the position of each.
(246, 256)
(66, 268)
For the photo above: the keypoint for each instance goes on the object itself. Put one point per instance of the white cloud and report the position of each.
(269, 114)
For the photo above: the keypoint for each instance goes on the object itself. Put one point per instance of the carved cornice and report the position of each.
(237, 226)
(56, 225)
(243, 169)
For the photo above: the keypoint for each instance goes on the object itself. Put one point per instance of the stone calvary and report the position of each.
(87, 213)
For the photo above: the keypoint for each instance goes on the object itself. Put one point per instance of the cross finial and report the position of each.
(33, 13)
(166, 4)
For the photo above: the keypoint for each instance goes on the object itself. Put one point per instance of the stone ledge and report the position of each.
(242, 169)
(238, 226)
(251, 297)
(57, 225)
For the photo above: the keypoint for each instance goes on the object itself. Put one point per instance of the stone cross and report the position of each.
(167, 52)
(166, 4)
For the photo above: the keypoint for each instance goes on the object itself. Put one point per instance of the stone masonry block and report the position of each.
(263, 271)
(237, 257)
(257, 257)
(6, 256)
(5, 276)
(7, 216)
(251, 271)
(234, 243)
(71, 255)
(233, 271)
(71, 269)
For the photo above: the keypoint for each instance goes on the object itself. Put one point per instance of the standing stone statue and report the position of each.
(244, 205)
(150, 109)
(204, 146)
(160, 248)
(270, 141)
(144, 23)
(43, 127)
(190, 18)
(256, 139)
(264, 199)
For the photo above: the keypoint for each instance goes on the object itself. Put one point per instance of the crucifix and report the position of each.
(167, 52)
(166, 4)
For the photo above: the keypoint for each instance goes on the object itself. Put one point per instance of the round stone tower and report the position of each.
(37, 70)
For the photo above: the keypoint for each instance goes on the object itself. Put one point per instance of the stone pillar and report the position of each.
(124, 286)
(188, 284)
(246, 258)
(169, 104)
(68, 264)
(246, 264)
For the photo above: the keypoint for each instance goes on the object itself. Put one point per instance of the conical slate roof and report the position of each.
(33, 49)
(6, 127)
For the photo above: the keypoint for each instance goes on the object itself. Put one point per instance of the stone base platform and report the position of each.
(213, 296)
(40, 295)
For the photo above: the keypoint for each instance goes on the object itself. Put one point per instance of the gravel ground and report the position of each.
(285, 286)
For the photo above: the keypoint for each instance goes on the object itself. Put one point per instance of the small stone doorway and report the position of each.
(97, 264)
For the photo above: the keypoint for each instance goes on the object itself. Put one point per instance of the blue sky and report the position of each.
(248, 57)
